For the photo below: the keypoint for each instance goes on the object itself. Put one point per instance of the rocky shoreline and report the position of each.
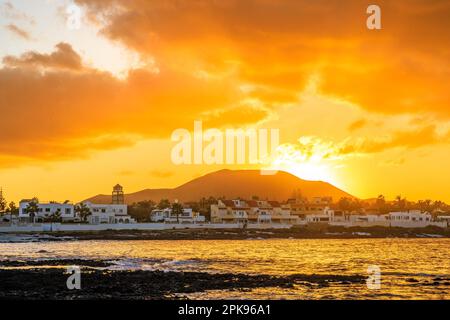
(325, 232)
(42, 282)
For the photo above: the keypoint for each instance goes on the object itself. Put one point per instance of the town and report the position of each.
(34, 216)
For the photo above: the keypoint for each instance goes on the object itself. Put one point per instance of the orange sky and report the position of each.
(81, 110)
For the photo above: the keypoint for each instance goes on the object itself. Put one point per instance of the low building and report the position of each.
(46, 211)
(403, 219)
(443, 219)
(410, 219)
(167, 216)
(230, 211)
(364, 220)
(302, 207)
(341, 216)
(325, 216)
(251, 211)
(108, 213)
(281, 214)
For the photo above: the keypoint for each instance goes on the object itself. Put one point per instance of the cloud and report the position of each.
(247, 114)
(227, 63)
(413, 139)
(34, 150)
(64, 57)
(278, 45)
(358, 124)
(309, 147)
(49, 112)
(8, 11)
(18, 31)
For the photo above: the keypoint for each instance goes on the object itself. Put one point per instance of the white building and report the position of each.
(445, 220)
(46, 211)
(230, 211)
(406, 219)
(251, 211)
(108, 213)
(167, 216)
(326, 216)
(410, 219)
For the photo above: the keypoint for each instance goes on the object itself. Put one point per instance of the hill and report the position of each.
(233, 184)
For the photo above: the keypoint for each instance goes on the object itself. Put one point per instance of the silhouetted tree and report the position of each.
(56, 216)
(163, 204)
(12, 208)
(83, 211)
(141, 210)
(32, 208)
(177, 210)
(400, 203)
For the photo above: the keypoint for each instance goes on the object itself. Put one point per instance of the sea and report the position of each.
(399, 268)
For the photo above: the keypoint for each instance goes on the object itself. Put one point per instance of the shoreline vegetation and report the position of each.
(317, 232)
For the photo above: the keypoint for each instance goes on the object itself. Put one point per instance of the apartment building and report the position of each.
(167, 216)
(250, 211)
(108, 213)
(46, 211)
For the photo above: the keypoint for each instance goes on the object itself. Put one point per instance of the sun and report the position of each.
(310, 171)
(308, 160)
(306, 170)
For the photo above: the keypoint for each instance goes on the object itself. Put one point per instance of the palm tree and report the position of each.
(32, 208)
(401, 202)
(163, 204)
(12, 208)
(83, 211)
(177, 209)
(381, 203)
(55, 216)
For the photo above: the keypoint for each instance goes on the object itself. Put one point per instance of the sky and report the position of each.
(82, 109)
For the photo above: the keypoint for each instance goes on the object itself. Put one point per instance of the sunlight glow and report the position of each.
(310, 159)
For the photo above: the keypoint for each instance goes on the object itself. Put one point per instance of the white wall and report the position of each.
(349, 224)
(40, 227)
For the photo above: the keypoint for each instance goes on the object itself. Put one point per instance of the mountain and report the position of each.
(233, 184)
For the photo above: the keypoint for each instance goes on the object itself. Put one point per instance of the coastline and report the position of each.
(324, 232)
(210, 269)
(47, 280)
(41, 283)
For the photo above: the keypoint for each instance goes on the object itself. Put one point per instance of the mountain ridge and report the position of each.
(233, 184)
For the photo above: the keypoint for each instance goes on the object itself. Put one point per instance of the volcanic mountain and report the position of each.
(233, 184)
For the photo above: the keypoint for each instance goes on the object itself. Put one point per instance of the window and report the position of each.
(47, 209)
(103, 210)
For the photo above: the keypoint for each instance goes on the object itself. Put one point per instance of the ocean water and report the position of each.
(410, 268)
